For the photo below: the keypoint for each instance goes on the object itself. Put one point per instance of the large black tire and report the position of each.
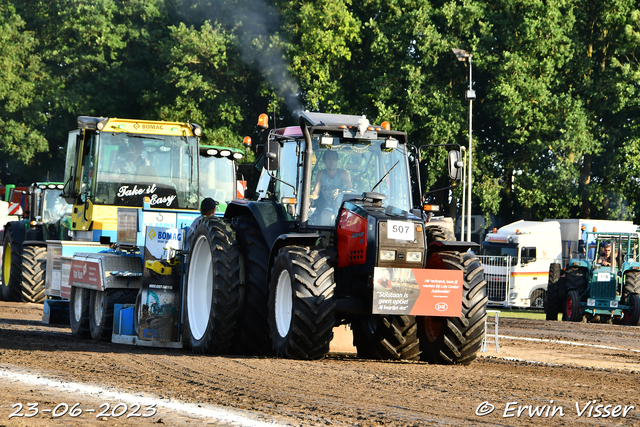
(34, 268)
(11, 268)
(212, 288)
(632, 315)
(252, 336)
(631, 283)
(447, 340)
(79, 303)
(552, 297)
(386, 337)
(302, 303)
(437, 233)
(101, 310)
(572, 311)
(537, 299)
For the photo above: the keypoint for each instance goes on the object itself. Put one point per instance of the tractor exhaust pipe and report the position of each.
(306, 175)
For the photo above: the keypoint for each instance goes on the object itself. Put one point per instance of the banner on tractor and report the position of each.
(417, 292)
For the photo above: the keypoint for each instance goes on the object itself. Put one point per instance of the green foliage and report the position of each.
(555, 122)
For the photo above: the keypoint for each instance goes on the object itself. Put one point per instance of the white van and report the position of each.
(516, 261)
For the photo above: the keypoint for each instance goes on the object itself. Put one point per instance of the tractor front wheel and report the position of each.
(34, 267)
(386, 337)
(572, 311)
(212, 291)
(79, 312)
(301, 303)
(456, 340)
(11, 268)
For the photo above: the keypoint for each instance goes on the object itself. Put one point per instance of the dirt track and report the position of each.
(603, 366)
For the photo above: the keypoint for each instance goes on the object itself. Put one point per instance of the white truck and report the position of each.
(516, 261)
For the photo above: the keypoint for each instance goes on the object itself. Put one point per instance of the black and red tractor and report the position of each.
(338, 235)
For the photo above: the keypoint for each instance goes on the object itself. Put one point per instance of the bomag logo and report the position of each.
(152, 127)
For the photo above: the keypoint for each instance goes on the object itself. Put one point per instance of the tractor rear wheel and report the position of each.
(252, 336)
(79, 312)
(212, 291)
(632, 315)
(101, 310)
(437, 233)
(572, 311)
(631, 283)
(386, 337)
(449, 340)
(34, 268)
(301, 303)
(11, 268)
(552, 297)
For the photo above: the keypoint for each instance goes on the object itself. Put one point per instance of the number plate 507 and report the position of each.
(400, 230)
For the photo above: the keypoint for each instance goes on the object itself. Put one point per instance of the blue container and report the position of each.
(126, 321)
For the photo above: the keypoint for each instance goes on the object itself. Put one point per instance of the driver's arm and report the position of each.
(316, 189)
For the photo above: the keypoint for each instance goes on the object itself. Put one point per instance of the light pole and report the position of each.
(470, 95)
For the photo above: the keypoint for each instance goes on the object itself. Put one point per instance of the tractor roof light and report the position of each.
(390, 144)
(238, 156)
(326, 140)
(594, 229)
(92, 123)
(197, 130)
(263, 121)
(246, 141)
(212, 152)
(225, 153)
(431, 208)
(385, 125)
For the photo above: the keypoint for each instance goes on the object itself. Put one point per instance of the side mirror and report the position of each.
(455, 164)
(272, 155)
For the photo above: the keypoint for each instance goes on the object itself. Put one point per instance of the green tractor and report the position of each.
(603, 285)
(24, 244)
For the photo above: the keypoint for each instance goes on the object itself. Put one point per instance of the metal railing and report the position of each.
(497, 271)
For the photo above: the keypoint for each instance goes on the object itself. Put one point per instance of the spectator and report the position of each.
(207, 209)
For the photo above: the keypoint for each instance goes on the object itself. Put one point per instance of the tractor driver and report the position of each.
(131, 161)
(329, 182)
(605, 256)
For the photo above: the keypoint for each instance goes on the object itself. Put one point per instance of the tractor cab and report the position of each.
(121, 163)
(348, 157)
(218, 175)
(50, 215)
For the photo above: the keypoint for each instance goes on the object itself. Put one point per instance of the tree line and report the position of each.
(555, 121)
